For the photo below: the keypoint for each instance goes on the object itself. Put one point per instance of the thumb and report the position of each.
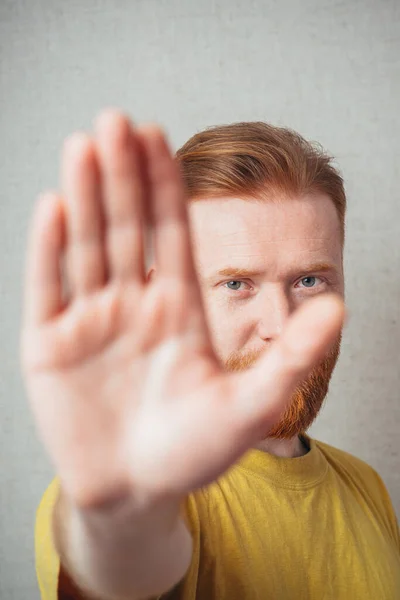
(264, 390)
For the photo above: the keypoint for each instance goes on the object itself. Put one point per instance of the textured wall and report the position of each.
(330, 69)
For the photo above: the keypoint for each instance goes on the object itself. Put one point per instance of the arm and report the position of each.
(128, 394)
(122, 551)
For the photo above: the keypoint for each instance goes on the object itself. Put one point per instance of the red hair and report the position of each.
(255, 159)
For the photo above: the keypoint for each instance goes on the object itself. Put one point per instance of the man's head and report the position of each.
(266, 210)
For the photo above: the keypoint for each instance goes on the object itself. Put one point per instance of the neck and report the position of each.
(283, 448)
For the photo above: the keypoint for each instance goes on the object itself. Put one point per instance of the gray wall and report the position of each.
(328, 69)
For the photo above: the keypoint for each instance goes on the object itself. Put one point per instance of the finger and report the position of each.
(264, 391)
(124, 194)
(172, 246)
(43, 278)
(86, 264)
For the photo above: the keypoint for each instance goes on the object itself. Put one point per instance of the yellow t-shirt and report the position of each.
(317, 527)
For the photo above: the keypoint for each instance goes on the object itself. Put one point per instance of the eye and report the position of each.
(236, 285)
(310, 281)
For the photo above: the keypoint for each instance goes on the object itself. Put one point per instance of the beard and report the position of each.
(307, 399)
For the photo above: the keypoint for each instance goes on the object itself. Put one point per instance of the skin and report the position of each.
(120, 370)
(115, 334)
(293, 251)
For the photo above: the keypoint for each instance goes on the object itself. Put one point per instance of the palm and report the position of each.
(121, 374)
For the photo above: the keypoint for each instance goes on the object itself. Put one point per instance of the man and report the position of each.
(174, 404)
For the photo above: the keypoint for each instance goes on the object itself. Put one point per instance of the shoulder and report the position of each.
(341, 459)
(353, 467)
(45, 511)
(46, 558)
(365, 481)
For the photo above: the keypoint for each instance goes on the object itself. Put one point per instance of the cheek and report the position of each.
(297, 300)
(225, 328)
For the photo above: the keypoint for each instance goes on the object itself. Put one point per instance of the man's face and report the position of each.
(256, 263)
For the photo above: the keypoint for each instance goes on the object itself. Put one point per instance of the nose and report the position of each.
(274, 309)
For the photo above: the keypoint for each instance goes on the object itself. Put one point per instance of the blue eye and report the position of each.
(233, 281)
(309, 282)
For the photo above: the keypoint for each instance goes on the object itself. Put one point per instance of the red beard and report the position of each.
(306, 400)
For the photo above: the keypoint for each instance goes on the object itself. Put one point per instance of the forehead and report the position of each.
(225, 229)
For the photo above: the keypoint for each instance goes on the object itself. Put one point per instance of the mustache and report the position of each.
(307, 399)
(242, 360)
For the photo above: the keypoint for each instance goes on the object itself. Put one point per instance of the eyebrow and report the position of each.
(320, 267)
